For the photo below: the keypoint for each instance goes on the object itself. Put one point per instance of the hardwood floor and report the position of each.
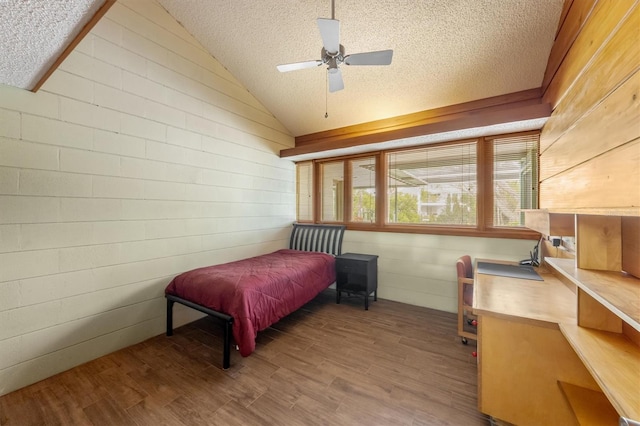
(325, 364)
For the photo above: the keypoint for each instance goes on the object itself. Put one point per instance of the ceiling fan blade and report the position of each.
(335, 80)
(299, 66)
(381, 57)
(330, 32)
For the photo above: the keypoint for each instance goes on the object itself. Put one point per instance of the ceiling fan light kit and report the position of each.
(333, 54)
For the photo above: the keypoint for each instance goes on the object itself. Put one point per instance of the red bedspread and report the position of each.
(257, 291)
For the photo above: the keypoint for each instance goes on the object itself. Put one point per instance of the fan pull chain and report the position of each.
(326, 96)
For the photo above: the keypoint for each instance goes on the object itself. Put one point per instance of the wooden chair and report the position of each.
(465, 298)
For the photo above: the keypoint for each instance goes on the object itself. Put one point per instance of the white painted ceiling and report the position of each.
(445, 52)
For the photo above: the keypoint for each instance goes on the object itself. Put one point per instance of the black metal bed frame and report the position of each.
(304, 237)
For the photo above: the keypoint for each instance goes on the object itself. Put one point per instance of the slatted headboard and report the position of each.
(322, 238)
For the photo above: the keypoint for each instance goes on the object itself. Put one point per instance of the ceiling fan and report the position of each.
(333, 54)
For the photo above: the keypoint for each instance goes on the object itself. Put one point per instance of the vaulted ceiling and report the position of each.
(445, 51)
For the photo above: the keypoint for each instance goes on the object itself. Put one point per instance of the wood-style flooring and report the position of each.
(325, 364)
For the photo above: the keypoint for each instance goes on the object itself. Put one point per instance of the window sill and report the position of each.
(462, 231)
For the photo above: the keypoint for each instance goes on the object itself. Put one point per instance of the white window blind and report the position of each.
(332, 191)
(304, 191)
(433, 185)
(363, 190)
(515, 178)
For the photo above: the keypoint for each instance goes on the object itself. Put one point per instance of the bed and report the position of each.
(251, 294)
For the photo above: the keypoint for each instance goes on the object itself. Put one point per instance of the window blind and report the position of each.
(332, 191)
(304, 191)
(433, 185)
(363, 190)
(515, 178)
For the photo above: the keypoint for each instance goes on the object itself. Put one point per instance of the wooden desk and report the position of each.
(523, 358)
(539, 302)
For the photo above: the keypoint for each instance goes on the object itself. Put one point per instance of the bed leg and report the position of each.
(226, 361)
(170, 317)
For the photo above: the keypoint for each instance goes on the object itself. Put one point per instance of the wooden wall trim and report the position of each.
(612, 123)
(606, 20)
(608, 181)
(590, 146)
(85, 30)
(563, 15)
(577, 14)
(507, 108)
(409, 120)
(615, 60)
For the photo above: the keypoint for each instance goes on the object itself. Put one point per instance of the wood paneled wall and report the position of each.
(590, 147)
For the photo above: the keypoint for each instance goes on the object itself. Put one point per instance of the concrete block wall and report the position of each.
(141, 157)
(420, 270)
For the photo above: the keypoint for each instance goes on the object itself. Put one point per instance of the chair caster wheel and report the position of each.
(464, 341)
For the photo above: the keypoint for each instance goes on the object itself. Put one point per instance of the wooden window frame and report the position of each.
(484, 207)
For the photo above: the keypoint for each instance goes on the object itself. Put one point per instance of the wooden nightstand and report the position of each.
(357, 273)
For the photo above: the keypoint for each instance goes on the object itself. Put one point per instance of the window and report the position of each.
(304, 192)
(515, 178)
(472, 187)
(433, 185)
(332, 191)
(357, 200)
(363, 190)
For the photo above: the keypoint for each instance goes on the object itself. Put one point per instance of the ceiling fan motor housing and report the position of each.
(332, 59)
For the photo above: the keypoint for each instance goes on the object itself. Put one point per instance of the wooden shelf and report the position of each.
(589, 406)
(606, 336)
(613, 361)
(618, 292)
(547, 223)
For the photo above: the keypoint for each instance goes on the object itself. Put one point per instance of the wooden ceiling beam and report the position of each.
(518, 106)
(85, 30)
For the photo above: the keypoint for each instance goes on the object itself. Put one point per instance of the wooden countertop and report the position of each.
(546, 303)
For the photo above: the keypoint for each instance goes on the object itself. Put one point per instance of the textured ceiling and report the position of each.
(33, 34)
(445, 52)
